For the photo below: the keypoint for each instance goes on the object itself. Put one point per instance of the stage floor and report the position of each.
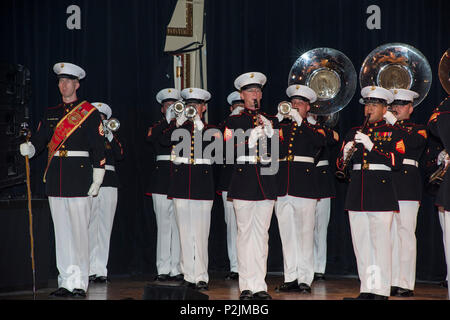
(132, 288)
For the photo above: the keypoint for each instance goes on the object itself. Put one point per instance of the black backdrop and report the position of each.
(120, 45)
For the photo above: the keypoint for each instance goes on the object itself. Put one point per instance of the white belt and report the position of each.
(163, 158)
(322, 163)
(109, 167)
(411, 162)
(251, 159)
(178, 160)
(298, 159)
(372, 166)
(65, 153)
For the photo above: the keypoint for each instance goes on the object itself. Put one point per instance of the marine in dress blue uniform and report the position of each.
(371, 198)
(73, 134)
(167, 238)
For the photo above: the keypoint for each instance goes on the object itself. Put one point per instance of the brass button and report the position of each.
(192, 148)
(365, 153)
(290, 151)
(307, 170)
(406, 171)
(206, 171)
(81, 166)
(324, 171)
(384, 181)
(292, 139)
(300, 131)
(365, 161)
(240, 169)
(176, 170)
(192, 154)
(290, 144)
(295, 129)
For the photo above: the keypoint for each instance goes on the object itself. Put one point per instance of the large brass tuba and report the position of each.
(397, 66)
(444, 71)
(330, 74)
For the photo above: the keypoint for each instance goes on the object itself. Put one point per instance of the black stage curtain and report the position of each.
(268, 36)
(120, 45)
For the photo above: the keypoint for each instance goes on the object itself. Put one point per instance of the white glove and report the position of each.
(255, 134)
(347, 147)
(311, 120)
(170, 114)
(181, 119)
(441, 157)
(236, 111)
(198, 123)
(390, 118)
(364, 139)
(109, 135)
(296, 116)
(27, 149)
(268, 129)
(279, 116)
(97, 179)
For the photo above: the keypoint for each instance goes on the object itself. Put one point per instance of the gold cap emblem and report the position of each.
(62, 65)
(372, 88)
(190, 90)
(252, 75)
(169, 91)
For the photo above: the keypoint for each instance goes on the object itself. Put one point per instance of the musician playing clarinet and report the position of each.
(371, 200)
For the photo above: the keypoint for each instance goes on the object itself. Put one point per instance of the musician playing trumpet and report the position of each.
(408, 187)
(298, 190)
(371, 200)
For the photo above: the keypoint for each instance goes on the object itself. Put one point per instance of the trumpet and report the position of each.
(112, 125)
(189, 111)
(284, 108)
(342, 173)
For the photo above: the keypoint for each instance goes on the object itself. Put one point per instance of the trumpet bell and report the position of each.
(190, 112)
(397, 66)
(113, 124)
(330, 74)
(444, 71)
(284, 107)
(178, 107)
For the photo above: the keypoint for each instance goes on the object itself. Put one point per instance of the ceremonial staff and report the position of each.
(27, 133)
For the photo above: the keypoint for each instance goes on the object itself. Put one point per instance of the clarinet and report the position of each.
(342, 172)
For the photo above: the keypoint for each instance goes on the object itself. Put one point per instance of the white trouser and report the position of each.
(323, 209)
(194, 220)
(404, 245)
(444, 217)
(230, 220)
(296, 218)
(371, 237)
(100, 227)
(168, 238)
(71, 220)
(253, 222)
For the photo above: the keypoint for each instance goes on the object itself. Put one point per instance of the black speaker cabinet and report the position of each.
(172, 292)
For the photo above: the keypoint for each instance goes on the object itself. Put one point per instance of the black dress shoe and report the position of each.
(92, 278)
(178, 277)
(362, 296)
(162, 277)
(79, 293)
(319, 276)
(246, 295)
(102, 279)
(394, 291)
(201, 286)
(188, 284)
(404, 293)
(379, 297)
(232, 276)
(444, 284)
(304, 288)
(288, 287)
(261, 295)
(61, 292)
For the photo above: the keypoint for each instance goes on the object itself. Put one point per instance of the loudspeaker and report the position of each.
(172, 292)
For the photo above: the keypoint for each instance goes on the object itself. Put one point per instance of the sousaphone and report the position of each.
(444, 71)
(330, 74)
(397, 66)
